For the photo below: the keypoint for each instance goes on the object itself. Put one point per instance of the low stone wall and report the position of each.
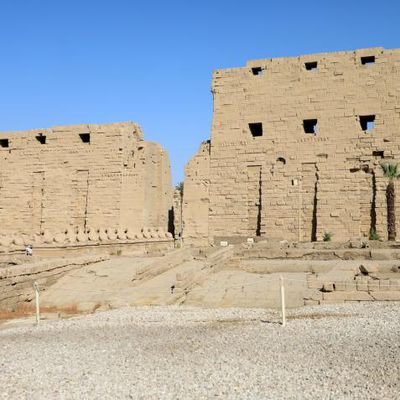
(16, 282)
(320, 253)
(369, 283)
(334, 272)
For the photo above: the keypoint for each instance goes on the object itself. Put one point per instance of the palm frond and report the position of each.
(391, 171)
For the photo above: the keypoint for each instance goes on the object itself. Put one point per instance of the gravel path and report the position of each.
(347, 351)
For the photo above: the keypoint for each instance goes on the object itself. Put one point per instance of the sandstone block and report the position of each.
(386, 295)
(328, 287)
(394, 284)
(362, 286)
(368, 269)
(348, 296)
(331, 301)
(358, 296)
(380, 255)
(384, 285)
(373, 285)
(315, 295)
(345, 286)
(314, 283)
(311, 302)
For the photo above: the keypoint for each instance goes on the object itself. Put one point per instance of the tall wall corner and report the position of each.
(196, 199)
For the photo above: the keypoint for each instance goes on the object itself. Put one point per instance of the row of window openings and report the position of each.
(313, 65)
(85, 138)
(367, 122)
(280, 161)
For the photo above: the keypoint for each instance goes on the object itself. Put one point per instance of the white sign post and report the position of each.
(37, 300)
(283, 301)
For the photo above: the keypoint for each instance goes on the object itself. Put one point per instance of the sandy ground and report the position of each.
(349, 351)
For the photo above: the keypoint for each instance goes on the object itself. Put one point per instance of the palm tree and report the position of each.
(179, 187)
(391, 172)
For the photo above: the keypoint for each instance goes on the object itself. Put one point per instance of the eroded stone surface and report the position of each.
(264, 173)
(80, 183)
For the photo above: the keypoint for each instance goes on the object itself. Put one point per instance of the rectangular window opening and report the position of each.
(368, 60)
(4, 143)
(310, 66)
(310, 126)
(378, 153)
(256, 129)
(257, 71)
(367, 122)
(41, 139)
(85, 137)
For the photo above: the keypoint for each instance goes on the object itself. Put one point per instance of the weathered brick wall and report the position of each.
(177, 212)
(288, 183)
(118, 180)
(196, 197)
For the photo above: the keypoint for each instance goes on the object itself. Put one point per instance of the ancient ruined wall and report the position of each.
(16, 281)
(297, 144)
(196, 198)
(82, 177)
(177, 213)
(158, 188)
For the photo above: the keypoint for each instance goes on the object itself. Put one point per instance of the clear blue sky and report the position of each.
(98, 61)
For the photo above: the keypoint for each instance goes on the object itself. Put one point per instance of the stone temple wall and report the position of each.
(84, 178)
(296, 149)
(177, 213)
(196, 198)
